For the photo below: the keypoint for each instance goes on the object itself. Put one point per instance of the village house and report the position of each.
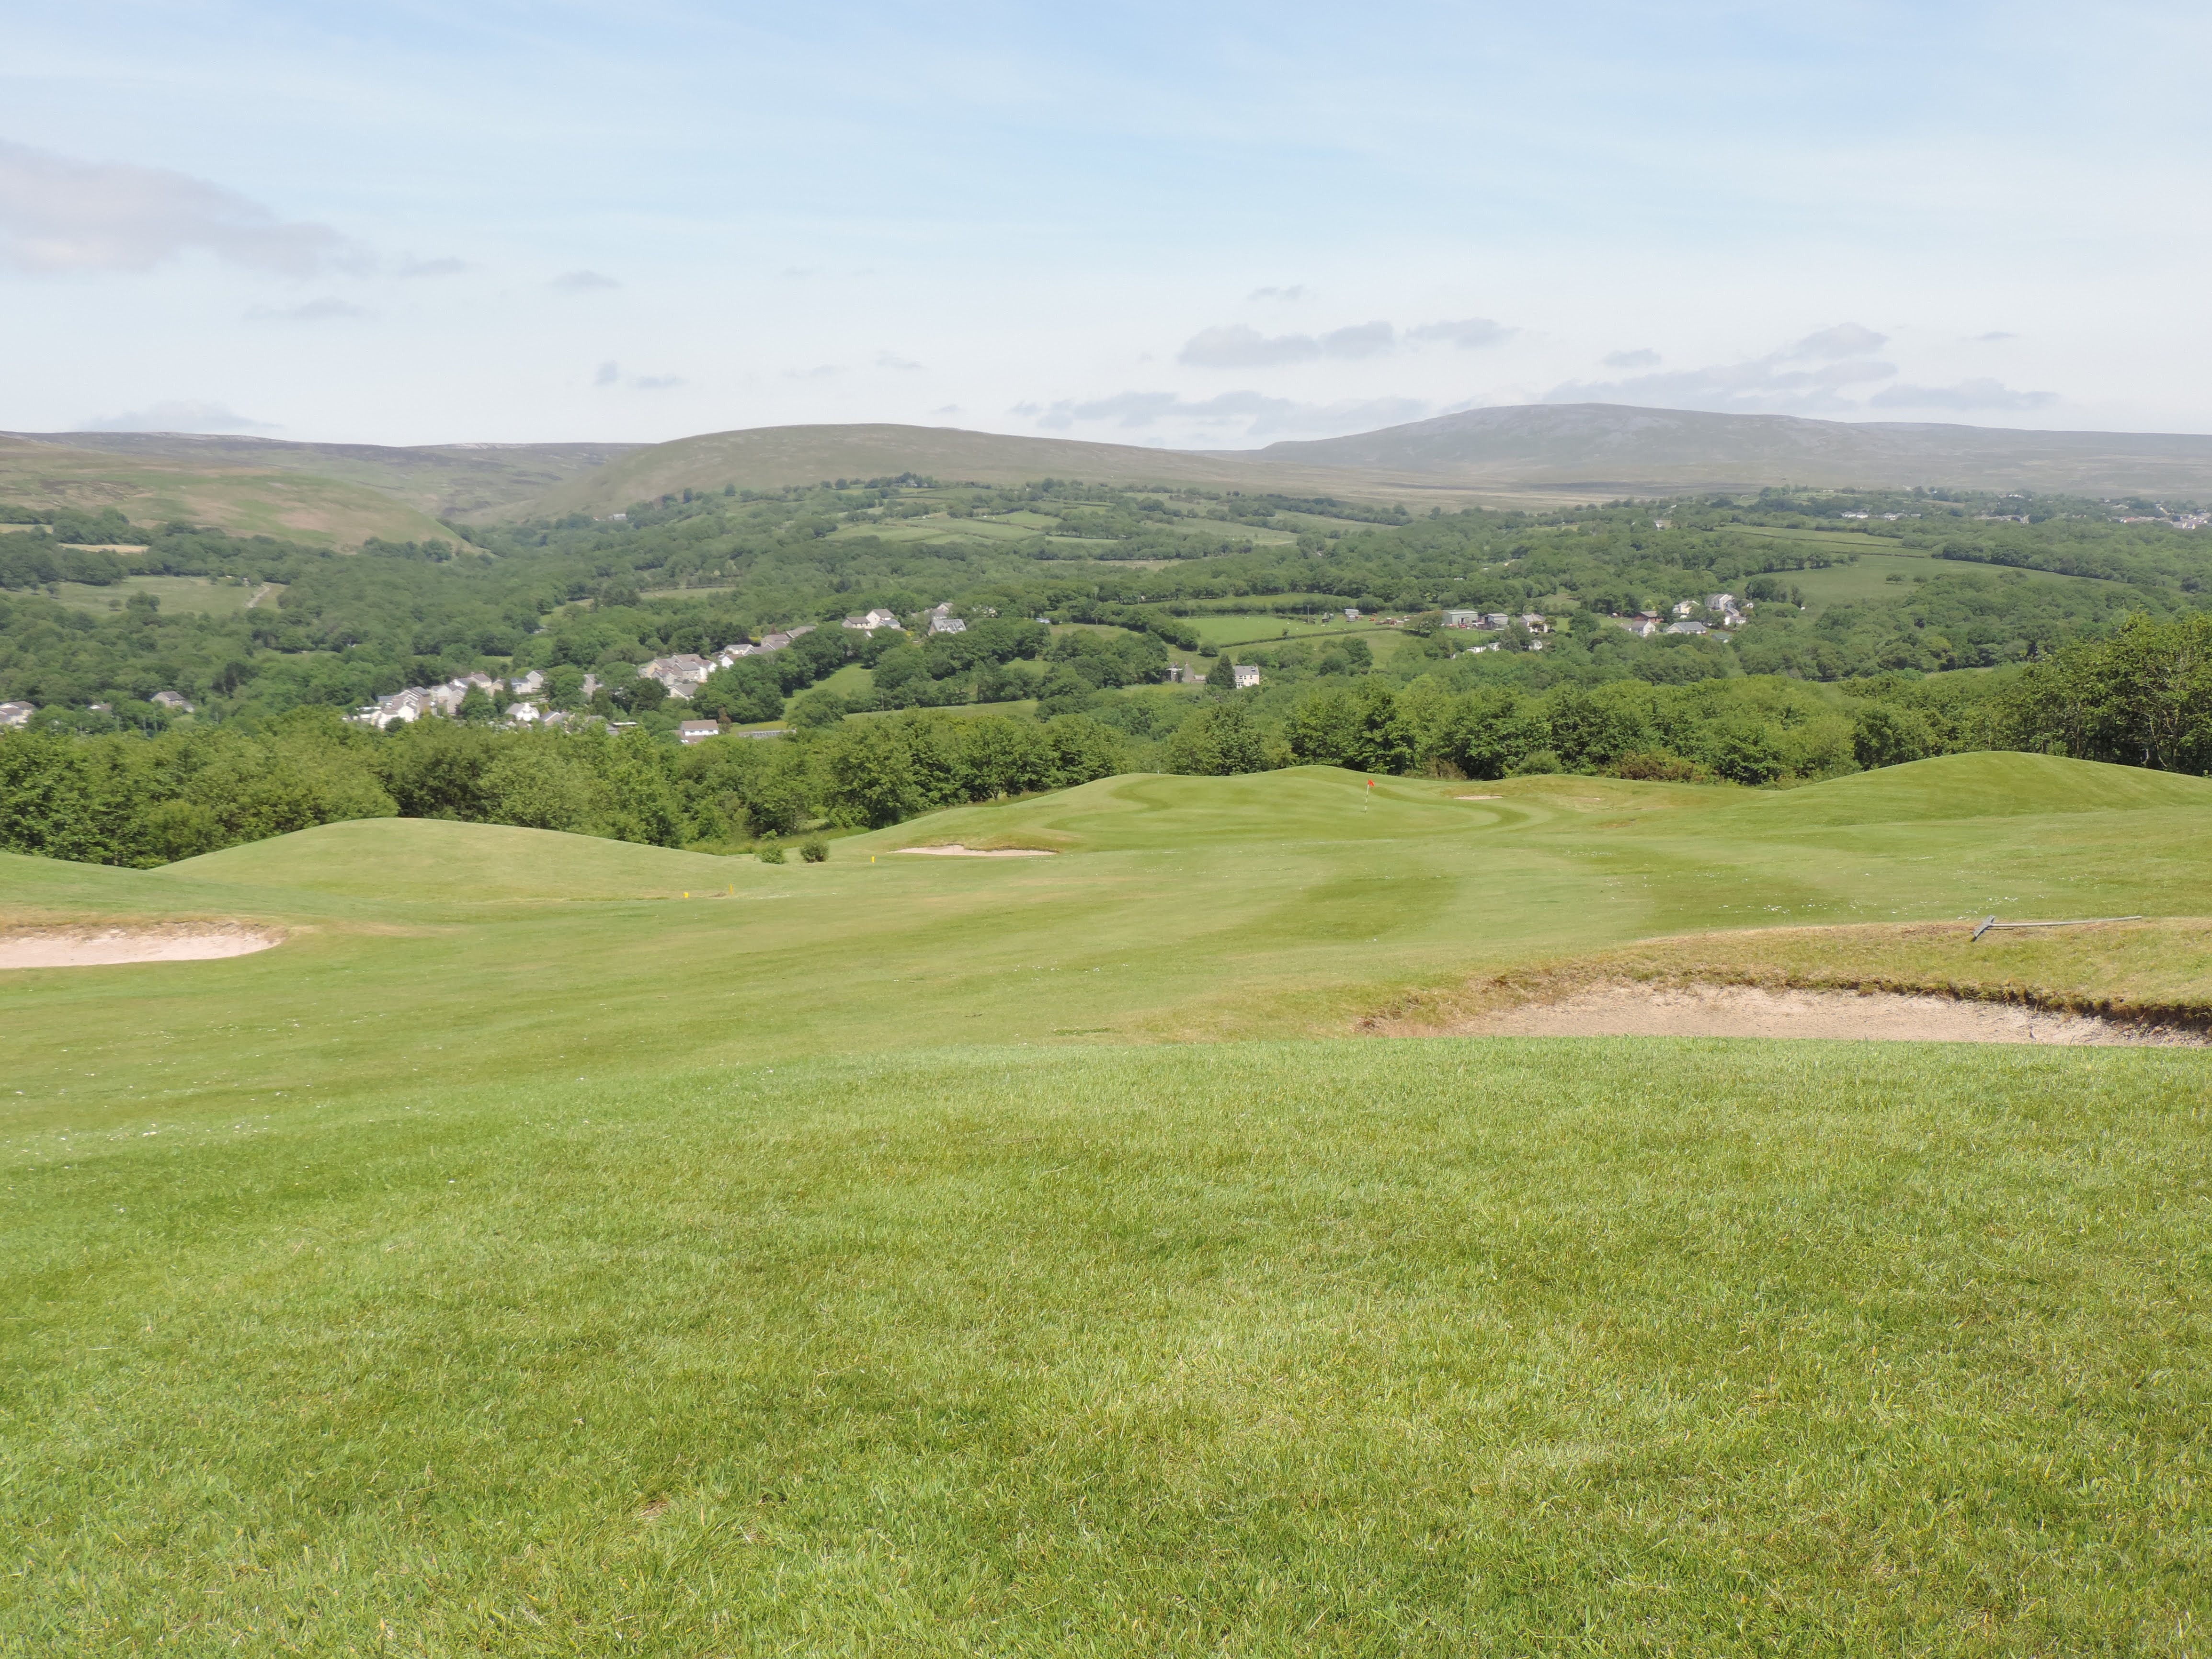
(1686, 627)
(1463, 619)
(1352, 613)
(1720, 601)
(1643, 627)
(1495, 620)
(874, 620)
(692, 732)
(1534, 623)
(1246, 675)
(171, 701)
(523, 713)
(16, 714)
(1684, 607)
(526, 684)
(682, 674)
(947, 624)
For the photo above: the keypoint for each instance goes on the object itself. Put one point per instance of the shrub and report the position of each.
(771, 851)
(815, 849)
(1543, 761)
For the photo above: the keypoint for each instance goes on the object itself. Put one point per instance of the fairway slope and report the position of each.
(425, 858)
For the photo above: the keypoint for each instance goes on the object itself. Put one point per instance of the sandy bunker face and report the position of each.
(98, 947)
(957, 851)
(1741, 1010)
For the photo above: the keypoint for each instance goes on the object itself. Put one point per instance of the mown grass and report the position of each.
(1440, 1347)
(524, 1257)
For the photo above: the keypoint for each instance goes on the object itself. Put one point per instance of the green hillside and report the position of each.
(780, 457)
(242, 499)
(441, 481)
(1025, 1256)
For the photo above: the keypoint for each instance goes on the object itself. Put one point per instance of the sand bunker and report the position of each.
(957, 851)
(83, 947)
(1741, 1010)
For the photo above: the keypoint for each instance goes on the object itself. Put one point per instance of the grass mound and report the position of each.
(1986, 785)
(423, 858)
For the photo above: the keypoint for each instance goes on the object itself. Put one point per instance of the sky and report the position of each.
(1198, 225)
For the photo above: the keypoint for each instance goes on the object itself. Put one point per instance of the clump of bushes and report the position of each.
(771, 851)
(815, 849)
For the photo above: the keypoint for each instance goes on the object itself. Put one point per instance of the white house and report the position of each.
(1720, 601)
(523, 713)
(1352, 613)
(1684, 607)
(1463, 619)
(1247, 674)
(525, 685)
(1687, 628)
(1643, 627)
(171, 701)
(698, 731)
(947, 624)
(16, 714)
(681, 674)
(1534, 623)
(872, 621)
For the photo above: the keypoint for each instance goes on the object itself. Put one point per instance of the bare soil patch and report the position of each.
(1745, 1010)
(96, 947)
(957, 851)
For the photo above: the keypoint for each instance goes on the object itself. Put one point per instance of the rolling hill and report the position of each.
(773, 456)
(1608, 449)
(245, 501)
(439, 481)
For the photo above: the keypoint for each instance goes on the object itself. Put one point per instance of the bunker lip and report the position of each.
(954, 850)
(90, 945)
(1633, 1009)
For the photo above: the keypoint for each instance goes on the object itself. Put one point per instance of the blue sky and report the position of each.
(1211, 225)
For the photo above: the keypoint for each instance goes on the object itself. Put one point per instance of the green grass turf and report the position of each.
(525, 1258)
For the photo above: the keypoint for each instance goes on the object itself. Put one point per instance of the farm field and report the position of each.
(1231, 631)
(183, 594)
(557, 1239)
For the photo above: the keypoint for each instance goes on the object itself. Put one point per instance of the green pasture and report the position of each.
(1271, 630)
(176, 593)
(561, 1246)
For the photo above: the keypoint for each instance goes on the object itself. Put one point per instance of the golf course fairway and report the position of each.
(557, 1245)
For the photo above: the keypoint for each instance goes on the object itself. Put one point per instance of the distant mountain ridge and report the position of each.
(1535, 455)
(1625, 450)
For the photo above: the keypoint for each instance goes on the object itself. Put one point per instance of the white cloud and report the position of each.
(58, 214)
(178, 417)
(410, 267)
(609, 373)
(893, 361)
(325, 310)
(582, 282)
(1993, 336)
(1843, 340)
(1966, 395)
(820, 372)
(1235, 345)
(1468, 333)
(1254, 414)
(1296, 291)
(1641, 357)
(1810, 376)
